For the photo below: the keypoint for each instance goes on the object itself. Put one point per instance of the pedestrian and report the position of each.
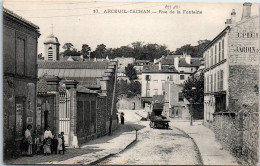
(122, 118)
(60, 148)
(47, 146)
(54, 144)
(47, 133)
(63, 142)
(28, 141)
(36, 141)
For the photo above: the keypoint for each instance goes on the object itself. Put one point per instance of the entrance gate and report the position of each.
(64, 115)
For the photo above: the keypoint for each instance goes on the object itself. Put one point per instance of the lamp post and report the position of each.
(191, 106)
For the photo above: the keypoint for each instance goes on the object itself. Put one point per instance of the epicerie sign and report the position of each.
(247, 35)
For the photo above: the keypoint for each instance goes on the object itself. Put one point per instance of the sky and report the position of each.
(78, 22)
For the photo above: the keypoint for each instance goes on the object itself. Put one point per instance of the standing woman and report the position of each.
(28, 137)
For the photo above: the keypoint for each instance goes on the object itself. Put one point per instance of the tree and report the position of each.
(67, 46)
(134, 89)
(193, 89)
(130, 72)
(100, 51)
(85, 50)
(130, 90)
(194, 51)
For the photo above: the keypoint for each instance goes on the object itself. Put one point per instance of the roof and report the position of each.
(89, 82)
(158, 99)
(72, 65)
(155, 69)
(216, 38)
(71, 58)
(194, 62)
(9, 12)
(51, 39)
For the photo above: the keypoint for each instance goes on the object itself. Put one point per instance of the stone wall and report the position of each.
(133, 103)
(239, 135)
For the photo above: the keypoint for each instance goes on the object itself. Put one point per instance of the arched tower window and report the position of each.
(50, 53)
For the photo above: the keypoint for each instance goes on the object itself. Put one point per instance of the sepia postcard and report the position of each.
(130, 82)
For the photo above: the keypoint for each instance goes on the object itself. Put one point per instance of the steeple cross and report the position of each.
(52, 29)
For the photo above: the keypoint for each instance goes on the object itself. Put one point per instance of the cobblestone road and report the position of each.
(159, 146)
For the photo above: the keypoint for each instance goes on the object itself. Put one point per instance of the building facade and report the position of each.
(20, 39)
(231, 86)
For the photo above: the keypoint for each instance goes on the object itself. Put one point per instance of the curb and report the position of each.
(200, 159)
(111, 154)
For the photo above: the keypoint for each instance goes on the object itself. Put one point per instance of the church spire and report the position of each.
(52, 29)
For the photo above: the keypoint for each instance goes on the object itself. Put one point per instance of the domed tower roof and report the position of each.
(51, 39)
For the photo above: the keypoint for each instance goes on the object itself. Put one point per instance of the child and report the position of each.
(59, 144)
(54, 144)
(36, 142)
(47, 146)
(39, 147)
(63, 142)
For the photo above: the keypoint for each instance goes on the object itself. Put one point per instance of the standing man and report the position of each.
(122, 118)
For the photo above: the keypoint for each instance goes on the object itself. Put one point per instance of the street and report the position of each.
(158, 147)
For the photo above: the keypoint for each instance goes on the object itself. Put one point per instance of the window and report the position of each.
(147, 77)
(218, 83)
(181, 77)
(212, 58)
(215, 82)
(148, 93)
(211, 83)
(20, 56)
(215, 53)
(221, 79)
(191, 69)
(148, 85)
(223, 49)
(171, 77)
(155, 91)
(181, 98)
(219, 51)
(207, 84)
(50, 54)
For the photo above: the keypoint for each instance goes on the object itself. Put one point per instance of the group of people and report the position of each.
(38, 143)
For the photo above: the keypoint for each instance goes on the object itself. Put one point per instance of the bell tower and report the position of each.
(51, 47)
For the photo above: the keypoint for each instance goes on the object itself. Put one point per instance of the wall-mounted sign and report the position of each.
(247, 49)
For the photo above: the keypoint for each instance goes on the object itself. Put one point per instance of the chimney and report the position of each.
(187, 59)
(176, 62)
(228, 22)
(233, 16)
(160, 66)
(246, 10)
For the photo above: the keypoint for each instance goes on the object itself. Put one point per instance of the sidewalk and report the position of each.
(89, 153)
(211, 150)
